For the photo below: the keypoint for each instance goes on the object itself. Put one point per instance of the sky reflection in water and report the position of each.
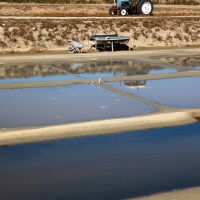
(103, 167)
(64, 104)
(174, 92)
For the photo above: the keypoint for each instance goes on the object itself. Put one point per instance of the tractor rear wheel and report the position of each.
(145, 7)
(123, 12)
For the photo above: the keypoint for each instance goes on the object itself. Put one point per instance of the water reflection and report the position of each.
(56, 105)
(190, 62)
(30, 73)
(174, 92)
(72, 71)
(25, 71)
(103, 167)
(117, 68)
(135, 84)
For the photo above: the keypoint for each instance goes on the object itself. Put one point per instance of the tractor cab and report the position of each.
(123, 3)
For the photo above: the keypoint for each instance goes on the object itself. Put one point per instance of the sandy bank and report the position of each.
(186, 194)
(44, 35)
(93, 128)
(84, 10)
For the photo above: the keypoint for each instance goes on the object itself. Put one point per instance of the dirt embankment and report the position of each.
(40, 35)
(80, 10)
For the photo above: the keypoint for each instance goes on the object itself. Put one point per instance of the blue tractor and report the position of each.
(124, 7)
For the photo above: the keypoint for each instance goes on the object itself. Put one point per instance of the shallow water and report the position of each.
(66, 104)
(103, 167)
(192, 62)
(174, 92)
(73, 71)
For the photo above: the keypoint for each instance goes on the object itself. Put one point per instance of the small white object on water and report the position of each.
(99, 80)
(104, 107)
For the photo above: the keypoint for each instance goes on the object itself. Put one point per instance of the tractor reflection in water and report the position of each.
(135, 84)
